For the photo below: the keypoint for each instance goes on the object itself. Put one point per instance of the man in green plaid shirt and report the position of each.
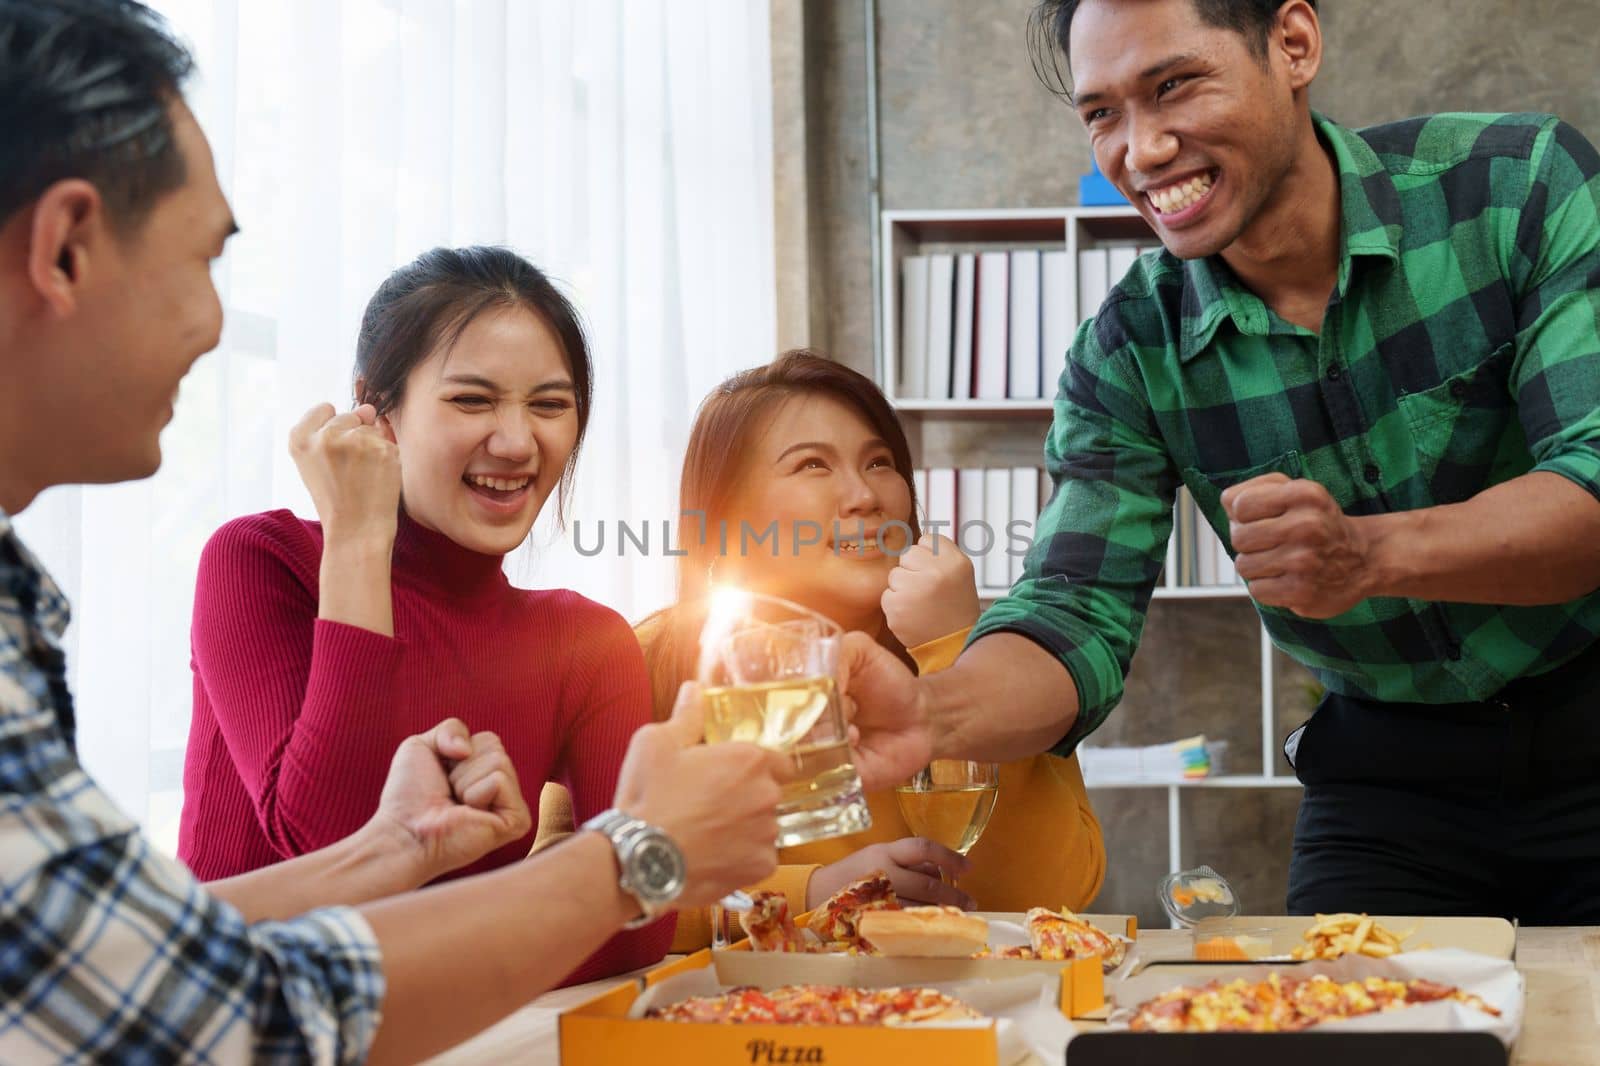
(1373, 357)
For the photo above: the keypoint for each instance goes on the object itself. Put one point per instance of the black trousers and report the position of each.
(1479, 808)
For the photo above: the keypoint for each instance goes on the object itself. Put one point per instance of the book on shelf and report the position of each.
(997, 515)
(913, 382)
(1205, 554)
(939, 505)
(1024, 513)
(1022, 383)
(1179, 760)
(1055, 315)
(1196, 555)
(993, 352)
(1183, 528)
(966, 290)
(1119, 260)
(1169, 572)
(969, 512)
(989, 512)
(1227, 574)
(1093, 268)
(941, 293)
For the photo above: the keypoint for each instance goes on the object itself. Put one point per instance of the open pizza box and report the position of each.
(611, 1029)
(1081, 980)
(1438, 1032)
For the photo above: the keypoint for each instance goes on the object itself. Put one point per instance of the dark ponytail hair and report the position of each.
(426, 304)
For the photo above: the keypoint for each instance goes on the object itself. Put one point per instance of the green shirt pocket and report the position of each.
(1206, 488)
(1460, 427)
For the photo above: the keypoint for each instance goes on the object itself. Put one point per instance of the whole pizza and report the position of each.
(818, 1005)
(1286, 1004)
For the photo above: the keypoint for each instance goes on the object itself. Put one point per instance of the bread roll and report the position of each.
(925, 932)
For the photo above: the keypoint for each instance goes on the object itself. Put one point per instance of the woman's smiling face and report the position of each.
(825, 483)
(485, 429)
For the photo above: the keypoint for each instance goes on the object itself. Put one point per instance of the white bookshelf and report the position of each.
(1203, 592)
(911, 232)
(1069, 229)
(976, 408)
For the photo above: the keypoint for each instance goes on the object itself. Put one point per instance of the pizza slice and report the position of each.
(838, 920)
(768, 925)
(1063, 935)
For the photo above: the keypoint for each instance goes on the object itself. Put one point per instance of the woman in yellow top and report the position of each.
(813, 447)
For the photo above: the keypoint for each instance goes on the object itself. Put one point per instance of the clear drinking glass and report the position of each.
(949, 801)
(768, 669)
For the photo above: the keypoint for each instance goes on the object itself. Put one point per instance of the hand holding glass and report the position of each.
(949, 801)
(768, 669)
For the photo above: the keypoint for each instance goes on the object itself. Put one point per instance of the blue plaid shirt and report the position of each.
(110, 951)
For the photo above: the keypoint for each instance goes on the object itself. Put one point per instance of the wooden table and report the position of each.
(1562, 1027)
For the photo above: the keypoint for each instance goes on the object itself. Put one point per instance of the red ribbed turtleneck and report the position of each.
(296, 719)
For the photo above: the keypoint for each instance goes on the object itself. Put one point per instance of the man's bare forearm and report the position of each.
(458, 957)
(1005, 698)
(1528, 541)
(364, 866)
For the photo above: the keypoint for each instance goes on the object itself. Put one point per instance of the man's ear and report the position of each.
(64, 242)
(1299, 38)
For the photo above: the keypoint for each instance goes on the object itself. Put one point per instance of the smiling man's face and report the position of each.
(1195, 128)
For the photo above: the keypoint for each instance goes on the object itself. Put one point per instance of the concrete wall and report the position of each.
(964, 123)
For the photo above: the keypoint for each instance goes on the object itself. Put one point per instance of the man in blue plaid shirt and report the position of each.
(110, 216)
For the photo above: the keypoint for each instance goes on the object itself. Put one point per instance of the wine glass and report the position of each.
(768, 671)
(949, 801)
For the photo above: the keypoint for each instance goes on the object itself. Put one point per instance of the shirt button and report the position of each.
(1372, 473)
(1334, 372)
(1458, 390)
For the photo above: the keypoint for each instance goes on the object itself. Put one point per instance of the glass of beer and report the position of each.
(949, 801)
(769, 669)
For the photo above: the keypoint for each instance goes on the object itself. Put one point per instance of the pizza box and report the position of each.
(1494, 937)
(1082, 980)
(1425, 1034)
(606, 1030)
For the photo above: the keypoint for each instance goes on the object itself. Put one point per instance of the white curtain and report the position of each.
(624, 146)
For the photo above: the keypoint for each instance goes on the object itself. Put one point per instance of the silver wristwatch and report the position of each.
(652, 867)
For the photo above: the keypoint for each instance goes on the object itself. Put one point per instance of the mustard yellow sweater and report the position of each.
(1042, 848)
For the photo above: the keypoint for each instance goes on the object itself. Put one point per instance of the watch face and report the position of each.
(657, 869)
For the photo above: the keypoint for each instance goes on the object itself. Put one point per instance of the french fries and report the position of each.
(1333, 935)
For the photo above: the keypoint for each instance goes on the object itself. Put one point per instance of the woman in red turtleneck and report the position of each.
(319, 646)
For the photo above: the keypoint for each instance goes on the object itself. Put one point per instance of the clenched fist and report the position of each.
(351, 466)
(1295, 548)
(454, 796)
(932, 592)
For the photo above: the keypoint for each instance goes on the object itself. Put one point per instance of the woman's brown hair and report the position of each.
(725, 428)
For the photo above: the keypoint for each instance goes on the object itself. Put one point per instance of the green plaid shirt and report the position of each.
(1461, 348)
